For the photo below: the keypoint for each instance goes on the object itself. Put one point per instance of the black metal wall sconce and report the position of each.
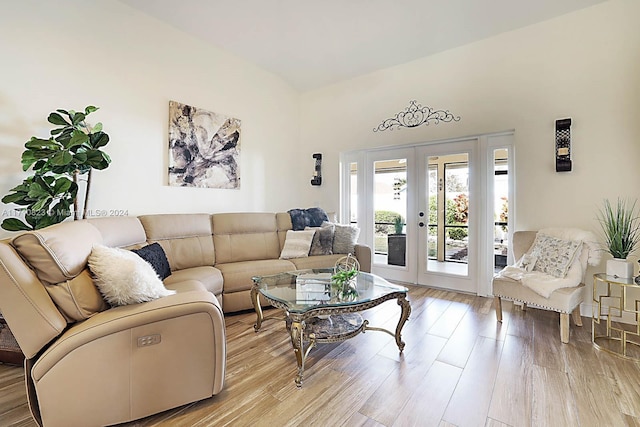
(317, 172)
(563, 145)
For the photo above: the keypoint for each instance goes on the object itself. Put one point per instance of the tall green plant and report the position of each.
(48, 195)
(620, 227)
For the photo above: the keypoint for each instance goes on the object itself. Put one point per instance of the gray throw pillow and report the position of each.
(345, 238)
(323, 240)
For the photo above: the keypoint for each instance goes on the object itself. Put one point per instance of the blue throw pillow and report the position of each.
(311, 217)
(154, 255)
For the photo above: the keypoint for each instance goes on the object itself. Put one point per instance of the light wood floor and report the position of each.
(459, 368)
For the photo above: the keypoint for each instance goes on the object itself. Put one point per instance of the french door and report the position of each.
(433, 214)
(447, 195)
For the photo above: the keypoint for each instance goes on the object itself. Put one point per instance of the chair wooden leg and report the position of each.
(577, 319)
(564, 327)
(498, 306)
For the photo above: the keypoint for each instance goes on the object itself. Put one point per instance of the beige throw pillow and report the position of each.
(297, 244)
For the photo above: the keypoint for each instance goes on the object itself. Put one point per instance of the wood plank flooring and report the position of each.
(460, 368)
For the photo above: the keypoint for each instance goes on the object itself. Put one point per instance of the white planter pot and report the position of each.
(620, 268)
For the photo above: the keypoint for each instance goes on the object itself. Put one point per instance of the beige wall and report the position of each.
(70, 54)
(585, 65)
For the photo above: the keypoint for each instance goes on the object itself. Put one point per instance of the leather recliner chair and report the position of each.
(118, 364)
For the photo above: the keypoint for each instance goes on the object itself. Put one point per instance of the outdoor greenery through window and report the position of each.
(390, 202)
(448, 208)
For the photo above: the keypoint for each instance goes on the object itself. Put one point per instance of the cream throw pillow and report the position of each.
(123, 277)
(553, 256)
(297, 244)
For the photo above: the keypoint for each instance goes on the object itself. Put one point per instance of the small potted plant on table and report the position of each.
(620, 227)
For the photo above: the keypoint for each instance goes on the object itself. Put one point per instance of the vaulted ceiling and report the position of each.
(315, 43)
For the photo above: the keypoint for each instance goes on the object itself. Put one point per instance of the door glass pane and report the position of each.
(456, 211)
(432, 197)
(390, 211)
(353, 193)
(448, 228)
(501, 208)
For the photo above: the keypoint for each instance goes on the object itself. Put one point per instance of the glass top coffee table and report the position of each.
(315, 312)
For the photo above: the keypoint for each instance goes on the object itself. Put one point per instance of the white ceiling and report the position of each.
(315, 43)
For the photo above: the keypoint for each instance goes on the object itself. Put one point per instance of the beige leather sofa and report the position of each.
(90, 364)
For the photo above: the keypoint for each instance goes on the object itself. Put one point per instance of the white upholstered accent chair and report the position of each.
(565, 300)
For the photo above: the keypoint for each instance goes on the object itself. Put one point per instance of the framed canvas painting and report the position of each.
(204, 148)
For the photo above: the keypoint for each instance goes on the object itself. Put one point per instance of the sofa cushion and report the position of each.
(297, 244)
(123, 277)
(245, 237)
(58, 253)
(210, 277)
(120, 231)
(78, 298)
(238, 275)
(155, 256)
(319, 261)
(186, 286)
(185, 238)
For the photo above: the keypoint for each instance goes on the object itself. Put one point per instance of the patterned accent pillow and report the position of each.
(297, 244)
(323, 240)
(554, 256)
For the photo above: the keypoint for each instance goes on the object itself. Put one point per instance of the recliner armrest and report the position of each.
(133, 361)
(122, 318)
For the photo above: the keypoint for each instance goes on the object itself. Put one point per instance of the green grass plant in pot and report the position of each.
(50, 194)
(620, 227)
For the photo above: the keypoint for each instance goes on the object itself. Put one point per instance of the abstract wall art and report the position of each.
(204, 148)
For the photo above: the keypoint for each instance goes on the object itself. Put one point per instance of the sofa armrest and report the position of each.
(363, 254)
(141, 359)
(128, 317)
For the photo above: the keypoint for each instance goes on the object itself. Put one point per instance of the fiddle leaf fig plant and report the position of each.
(50, 194)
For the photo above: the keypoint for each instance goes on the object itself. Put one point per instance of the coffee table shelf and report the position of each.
(315, 314)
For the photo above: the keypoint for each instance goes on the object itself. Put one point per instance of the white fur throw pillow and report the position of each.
(123, 277)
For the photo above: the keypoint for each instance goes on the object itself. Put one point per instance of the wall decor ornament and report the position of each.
(204, 148)
(415, 115)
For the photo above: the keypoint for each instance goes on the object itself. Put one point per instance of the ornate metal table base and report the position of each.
(340, 323)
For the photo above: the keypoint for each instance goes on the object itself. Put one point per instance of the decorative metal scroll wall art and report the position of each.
(415, 115)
